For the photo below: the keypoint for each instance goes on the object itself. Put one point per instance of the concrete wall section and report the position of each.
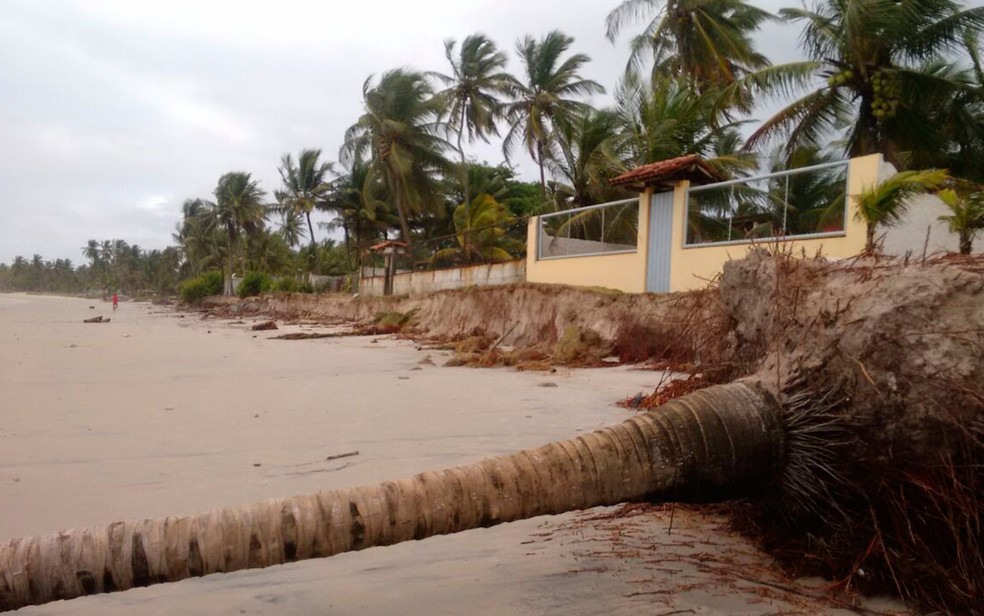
(623, 272)
(414, 283)
(920, 230)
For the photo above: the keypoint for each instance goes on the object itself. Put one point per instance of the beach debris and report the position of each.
(388, 323)
(92, 307)
(99, 319)
(347, 454)
(264, 326)
(426, 361)
(504, 336)
(635, 401)
(475, 343)
(580, 346)
(547, 384)
(308, 336)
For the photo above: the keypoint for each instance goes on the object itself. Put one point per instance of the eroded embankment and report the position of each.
(632, 327)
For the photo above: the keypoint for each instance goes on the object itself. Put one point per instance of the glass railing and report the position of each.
(607, 228)
(810, 201)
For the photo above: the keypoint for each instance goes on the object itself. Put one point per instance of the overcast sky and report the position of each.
(113, 112)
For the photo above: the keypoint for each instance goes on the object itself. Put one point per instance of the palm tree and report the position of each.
(239, 208)
(481, 233)
(91, 252)
(305, 184)
(583, 160)
(664, 118)
(885, 70)
(652, 456)
(545, 100)
(959, 127)
(97, 263)
(291, 227)
(400, 137)
(358, 210)
(471, 99)
(706, 42)
(887, 201)
(967, 215)
(198, 234)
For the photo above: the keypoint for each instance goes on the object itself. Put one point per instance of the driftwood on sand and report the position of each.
(99, 319)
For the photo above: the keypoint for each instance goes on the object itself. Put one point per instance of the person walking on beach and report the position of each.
(116, 301)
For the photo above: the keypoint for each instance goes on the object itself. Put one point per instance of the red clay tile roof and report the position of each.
(387, 244)
(668, 172)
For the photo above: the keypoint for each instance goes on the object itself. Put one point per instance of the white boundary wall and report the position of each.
(416, 283)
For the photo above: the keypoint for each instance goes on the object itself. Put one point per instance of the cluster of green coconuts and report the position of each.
(884, 85)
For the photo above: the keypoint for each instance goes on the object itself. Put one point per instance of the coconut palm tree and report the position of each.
(401, 139)
(239, 207)
(305, 184)
(291, 227)
(719, 442)
(887, 201)
(664, 118)
(583, 160)
(967, 214)
(957, 126)
(481, 233)
(471, 99)
(359, 209)
(885, 69)
(202, 242)
(547, 97)
(706, 42)
(97, 262)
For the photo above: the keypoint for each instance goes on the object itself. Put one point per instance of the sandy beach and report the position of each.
(163, 413)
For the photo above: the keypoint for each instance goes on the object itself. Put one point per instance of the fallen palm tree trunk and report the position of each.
(713, 444)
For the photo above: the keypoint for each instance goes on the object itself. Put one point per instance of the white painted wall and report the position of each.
(922, 218)
(415, 283)
(920, 221)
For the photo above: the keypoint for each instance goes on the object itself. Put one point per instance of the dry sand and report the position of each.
(159, 413)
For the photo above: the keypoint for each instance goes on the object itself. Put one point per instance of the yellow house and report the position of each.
(688, 221)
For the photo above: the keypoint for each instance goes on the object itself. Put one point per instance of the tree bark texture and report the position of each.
(713, 444)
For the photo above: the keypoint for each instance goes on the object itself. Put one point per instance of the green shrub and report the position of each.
(194, 290)
(286, 285)
(254, 283)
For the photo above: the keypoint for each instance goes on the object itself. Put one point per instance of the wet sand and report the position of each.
(158, 413)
